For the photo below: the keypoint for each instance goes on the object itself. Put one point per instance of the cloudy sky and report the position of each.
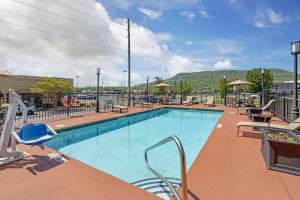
(70, 38)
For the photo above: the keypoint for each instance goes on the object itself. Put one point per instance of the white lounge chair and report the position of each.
(188, 101)
(210, 101)
(265, 108)
(120, 108)
(295, 125)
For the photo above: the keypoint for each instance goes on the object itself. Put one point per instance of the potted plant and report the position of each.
(281, 150)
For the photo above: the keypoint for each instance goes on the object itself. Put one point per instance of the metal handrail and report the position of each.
(183, 167)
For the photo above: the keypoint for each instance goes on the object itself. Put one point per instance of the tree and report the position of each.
(222, 86)
(254, 76)
(186, 87)
(52, 85)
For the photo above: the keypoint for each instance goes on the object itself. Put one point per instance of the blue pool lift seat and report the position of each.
(33, 134)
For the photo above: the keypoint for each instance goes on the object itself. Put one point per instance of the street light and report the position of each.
(147, 89)
(77, 85)
(262, 96)
(225, 103)
(97, 101)
(295, 50)
(124, 78)
(181, 92)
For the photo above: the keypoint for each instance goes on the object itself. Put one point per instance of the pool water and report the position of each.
(117, 146)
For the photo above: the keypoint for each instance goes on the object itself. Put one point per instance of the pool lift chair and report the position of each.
(29, 134)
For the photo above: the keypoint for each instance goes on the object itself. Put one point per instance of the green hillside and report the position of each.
(200, 80)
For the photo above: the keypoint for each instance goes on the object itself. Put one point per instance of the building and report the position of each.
(285, 87)
(20, 83)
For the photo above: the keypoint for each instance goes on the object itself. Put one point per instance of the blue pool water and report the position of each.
(117, 146)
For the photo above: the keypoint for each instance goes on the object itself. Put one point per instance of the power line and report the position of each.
(83, 13)
(60, 35)
(56, 14)
(45, 22)
(82, 4)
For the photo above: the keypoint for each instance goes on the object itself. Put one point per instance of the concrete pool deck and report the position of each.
(228, 167)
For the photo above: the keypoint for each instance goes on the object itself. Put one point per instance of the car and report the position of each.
(151, 99)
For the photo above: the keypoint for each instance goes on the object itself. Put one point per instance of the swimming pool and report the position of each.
(117, 146)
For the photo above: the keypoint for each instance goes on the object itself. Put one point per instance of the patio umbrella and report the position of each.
(163, 85)
(238, 83)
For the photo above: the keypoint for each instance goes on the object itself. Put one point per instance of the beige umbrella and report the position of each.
(163, 85)
(6, 74)
(238, 84)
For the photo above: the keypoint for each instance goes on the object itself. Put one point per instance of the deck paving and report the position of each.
(228, 167)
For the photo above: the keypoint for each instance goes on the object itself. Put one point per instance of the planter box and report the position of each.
(281, 156)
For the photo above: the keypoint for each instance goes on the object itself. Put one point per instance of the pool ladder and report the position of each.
(182, 163)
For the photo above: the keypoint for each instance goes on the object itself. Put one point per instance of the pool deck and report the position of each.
(228, 167)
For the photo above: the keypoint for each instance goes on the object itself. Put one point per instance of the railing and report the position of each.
(182, 163)
(44, 106)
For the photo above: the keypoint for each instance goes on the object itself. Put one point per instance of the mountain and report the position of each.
(204, 79)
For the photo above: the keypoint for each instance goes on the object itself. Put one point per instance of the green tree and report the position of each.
(222, 86)
(186, 87)
(52, 85)
(254, 76)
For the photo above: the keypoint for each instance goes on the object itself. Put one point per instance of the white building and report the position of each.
(285, 87)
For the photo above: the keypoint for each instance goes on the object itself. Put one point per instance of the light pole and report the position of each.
(97, 100)
(77, 85)
(147, 89)
(124, 78)
(295, 50)
(262, 97)
(225, 103)
(181, 92)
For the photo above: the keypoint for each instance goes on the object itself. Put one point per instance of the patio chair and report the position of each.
(257, 110)
(293, 126)
(231, 101)
(210, 101)
(120, 108)
(188, 101)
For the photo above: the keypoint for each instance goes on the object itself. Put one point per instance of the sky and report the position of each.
(69, 38)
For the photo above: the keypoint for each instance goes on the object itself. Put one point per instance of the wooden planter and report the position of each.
(281, 156)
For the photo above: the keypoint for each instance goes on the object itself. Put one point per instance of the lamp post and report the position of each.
(181, 92)
(97, 100)
(262, 96)
(147, 89)
(77, 85)
(124, 78)
(225, 103)
(295, 50)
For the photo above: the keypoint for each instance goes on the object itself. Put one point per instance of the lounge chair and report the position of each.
(265, 108)
(145, 104)
(295, 125)
(120, 108)
(231, 101)
(210, 101)
(188, 101)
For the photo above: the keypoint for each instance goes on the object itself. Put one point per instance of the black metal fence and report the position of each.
(44, 106)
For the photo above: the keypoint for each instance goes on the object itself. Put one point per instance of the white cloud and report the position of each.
(25, 51)
(204, 14)
(151, 14)
(177, 64)
(267, 17)
(189, 43)
(298, 18)
(189, 15)
(163, 37)
(276, 17)
(233, 1)
(223, 64)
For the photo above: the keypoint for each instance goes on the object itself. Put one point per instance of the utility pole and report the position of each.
(129, 63)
